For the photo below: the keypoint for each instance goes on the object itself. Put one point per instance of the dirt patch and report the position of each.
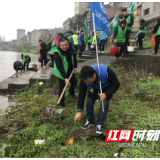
(12, 129)
(2, 116)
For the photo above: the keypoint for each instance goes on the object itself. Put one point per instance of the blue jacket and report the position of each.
(103, 77)
(80, 39)
(71, 41)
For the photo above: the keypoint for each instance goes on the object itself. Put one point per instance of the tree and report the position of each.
(27, 46)
(76, 24)
(46, 39)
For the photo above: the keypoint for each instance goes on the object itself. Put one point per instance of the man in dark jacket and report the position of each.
(81, 44)
(64, 63)
(90, 78)
(70, 39)
(17, 65)
(43, 52)
(130, 22)
(156, 31)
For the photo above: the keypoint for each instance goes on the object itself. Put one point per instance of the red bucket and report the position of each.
(113, 50)
(34, 66)
(132, 43)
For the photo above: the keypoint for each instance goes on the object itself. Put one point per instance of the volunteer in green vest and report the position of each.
(156, 31)
(69, 36)
(53, 47)
(75, 39)
(120, 38)
(94, 42)
(141, 33)
(129, 23)
(89, 42)
(26, 60)
(64, 63)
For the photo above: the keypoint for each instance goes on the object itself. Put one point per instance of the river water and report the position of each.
(7, 58)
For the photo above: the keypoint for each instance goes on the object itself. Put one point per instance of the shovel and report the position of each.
(64, 90)
(59, 111)
(70, 140)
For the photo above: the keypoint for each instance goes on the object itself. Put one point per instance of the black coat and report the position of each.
(44, 48)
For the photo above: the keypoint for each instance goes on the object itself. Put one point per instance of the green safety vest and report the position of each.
(128, 20)
(53, 47)
(65, 65)
(158, 32)
(98, 39)
(69, 37)
(142, 31)
(75, 39)
(121, 36)
(91, 39)
(25, 59)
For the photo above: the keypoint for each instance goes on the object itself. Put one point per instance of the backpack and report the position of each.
(48, 48)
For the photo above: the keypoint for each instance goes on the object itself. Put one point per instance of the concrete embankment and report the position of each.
(13, 83)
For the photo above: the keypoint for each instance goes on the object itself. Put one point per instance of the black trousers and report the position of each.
(73, 82)
(127, 42)
(76, 48)
(101, 45)
(18, 68)
(25, 64)
(119, 53)
(140, 37)
(43, 59)
(81, 49)
(157, 43)
(52, 60)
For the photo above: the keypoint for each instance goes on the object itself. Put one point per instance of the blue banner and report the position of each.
(103, 36)
(100, 17)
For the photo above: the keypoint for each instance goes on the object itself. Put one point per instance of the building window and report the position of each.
(156, 6)
(146, 11)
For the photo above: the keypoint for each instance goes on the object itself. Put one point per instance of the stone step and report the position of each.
(42, 75)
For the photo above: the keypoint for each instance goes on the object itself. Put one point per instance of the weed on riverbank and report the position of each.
(134, 106)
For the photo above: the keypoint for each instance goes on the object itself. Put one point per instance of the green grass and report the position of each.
(133, 106)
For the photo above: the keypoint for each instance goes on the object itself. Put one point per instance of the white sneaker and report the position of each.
(88, 125)
(102, 51)
(99, 129)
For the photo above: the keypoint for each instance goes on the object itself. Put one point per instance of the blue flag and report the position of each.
(103, 36)
(100, 17)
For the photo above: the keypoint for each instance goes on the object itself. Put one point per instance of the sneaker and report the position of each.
(120, 57)
(116, 58)
(99, 51)
(99, 129)
(154, 53)
(62, 105)
(102, 51)
(79, 58)
(87, 125)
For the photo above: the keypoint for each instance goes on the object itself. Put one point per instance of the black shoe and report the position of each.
(99, 129)
(154, 53)
(62, 105)
(88, 125)
(74, 96)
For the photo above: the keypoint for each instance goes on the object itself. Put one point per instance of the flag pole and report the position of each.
(97, 58)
